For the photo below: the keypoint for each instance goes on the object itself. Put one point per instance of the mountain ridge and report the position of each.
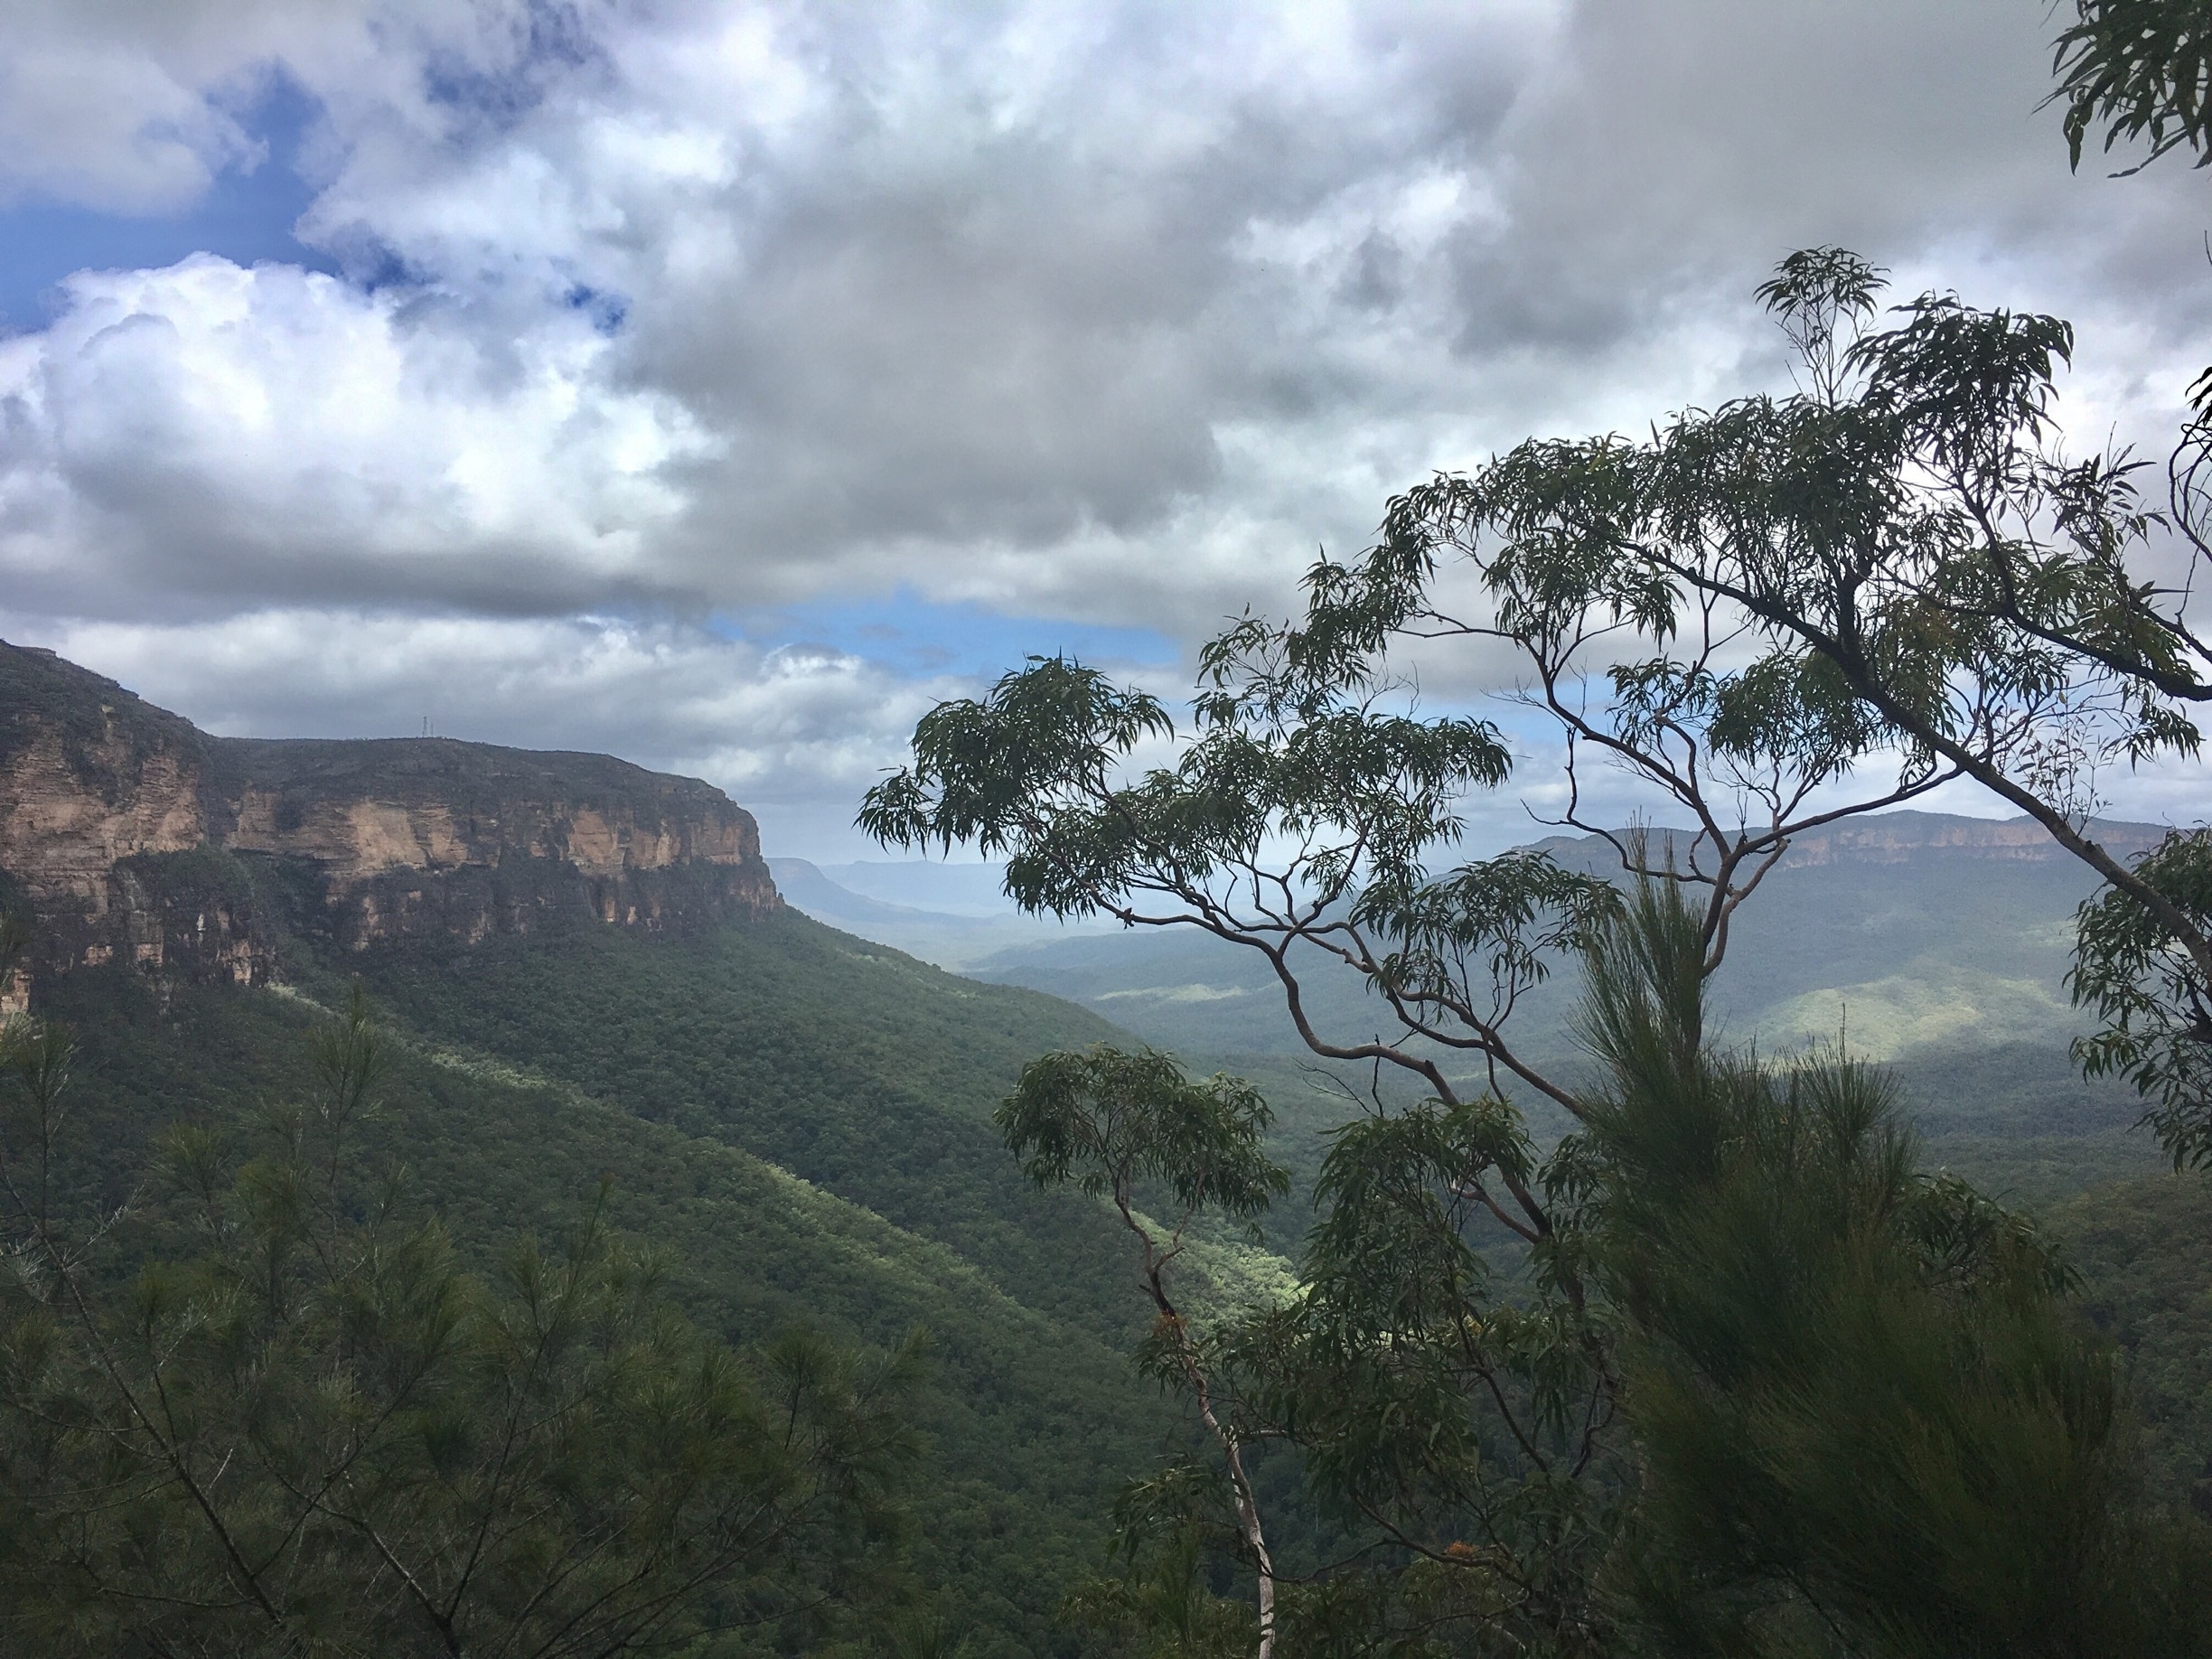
(1895, 837)
(595, 1000)
(1884, 838)
(133, 835)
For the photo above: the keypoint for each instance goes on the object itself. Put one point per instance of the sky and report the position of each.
(723, 385)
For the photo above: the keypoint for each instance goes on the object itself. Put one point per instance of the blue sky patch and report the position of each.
(244, 217)
(915, 636)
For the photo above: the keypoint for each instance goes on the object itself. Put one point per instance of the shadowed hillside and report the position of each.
(593, 980)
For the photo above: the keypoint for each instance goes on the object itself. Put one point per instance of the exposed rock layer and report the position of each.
(1888, 837)
(132, 834)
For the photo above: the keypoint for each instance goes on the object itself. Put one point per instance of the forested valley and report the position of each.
(453, 1203)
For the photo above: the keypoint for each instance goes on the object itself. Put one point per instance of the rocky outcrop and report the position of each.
(1891, 838)
(1898, 838)
(133, 835)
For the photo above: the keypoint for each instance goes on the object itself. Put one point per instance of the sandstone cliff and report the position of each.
(1901, 838)
(1897, 838)
(132, 834)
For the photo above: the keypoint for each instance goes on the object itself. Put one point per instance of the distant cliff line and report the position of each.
(1901, 837)
(131, 834)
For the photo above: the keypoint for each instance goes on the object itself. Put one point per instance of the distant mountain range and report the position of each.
(1937, 942)
(953, 914)
(1901, 932)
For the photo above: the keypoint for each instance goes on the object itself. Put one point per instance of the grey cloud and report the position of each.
(932, 325)
(1675, 152)
(1108, 310)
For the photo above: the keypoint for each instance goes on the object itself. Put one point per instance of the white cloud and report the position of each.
(134, 105)
(1102, 311)
(243, 437)
(123, 105)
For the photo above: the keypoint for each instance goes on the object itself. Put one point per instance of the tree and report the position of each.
(2144, 68)
(1298, 821)
(1912, 568)
(1107, 1122)
(1854, 1415)
(1776, 614)
(264, 1410)
(1865, 1419)
(1426, 1409)
(1733, 612)
(2140, 67)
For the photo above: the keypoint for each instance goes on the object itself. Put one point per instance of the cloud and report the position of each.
(1107, 312)
(208, 437)
(136, 106)
(1013, 296)
(120, 106)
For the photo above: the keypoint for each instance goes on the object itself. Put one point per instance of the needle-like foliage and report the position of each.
(1866, 1423)
(266, 1410)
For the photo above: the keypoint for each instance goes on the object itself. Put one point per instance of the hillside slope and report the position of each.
(594, 981)
(862, 1071)
(2144, 1251)
(1035, 1419)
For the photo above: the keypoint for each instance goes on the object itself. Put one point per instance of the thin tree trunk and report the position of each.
(1247, 1503)
(1248, 1518)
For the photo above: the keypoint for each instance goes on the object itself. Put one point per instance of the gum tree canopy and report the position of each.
(2144, 68)
(1773, 614)
(1777, 612)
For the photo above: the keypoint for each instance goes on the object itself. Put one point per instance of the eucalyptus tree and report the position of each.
(1776, 614)
(1108, 1123)
(1908, 566)
(2142, 69)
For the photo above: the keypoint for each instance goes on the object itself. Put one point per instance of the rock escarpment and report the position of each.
(1903, 838)
(132, 835)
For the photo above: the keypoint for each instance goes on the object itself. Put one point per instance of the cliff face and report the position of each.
(1897, 838)
(130, 833)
